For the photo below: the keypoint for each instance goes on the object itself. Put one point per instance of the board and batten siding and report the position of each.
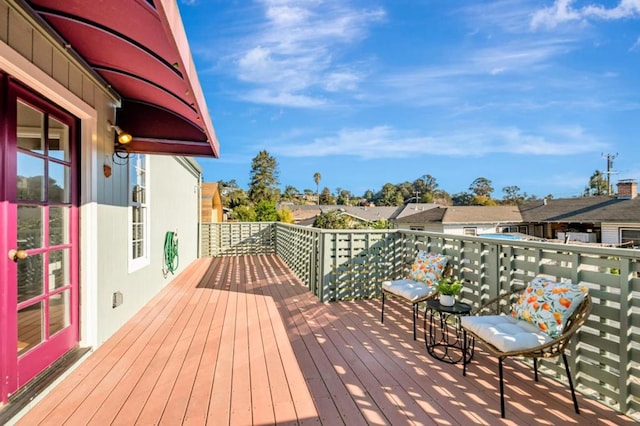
(32, 56)
(610, 232)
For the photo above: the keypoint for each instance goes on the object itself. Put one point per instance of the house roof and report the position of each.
(139, 49)
(410, 209)
(582, 209)
(482, 214)
(368, 214)
(466, 214)
(431, 215)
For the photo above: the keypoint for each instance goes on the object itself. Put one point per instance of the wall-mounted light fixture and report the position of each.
(123, 137)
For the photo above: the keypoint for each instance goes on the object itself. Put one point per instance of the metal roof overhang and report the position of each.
(140, 49)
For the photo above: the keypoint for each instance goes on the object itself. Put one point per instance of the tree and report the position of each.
(331, 220)
(512, 195)
(368, 195)
(266, 211)
(430, 184)
(389, 196)
(316, 179)
(264, 178)
(285, 215)
(243, 214)
(290, 193)
(482, 200)
(325, 197)
(481, 187)
(344, 197)
(462, 199)
(597, 185)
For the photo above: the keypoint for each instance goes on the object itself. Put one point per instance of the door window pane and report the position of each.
(58, 182)
(30, 128)
(30, 277)
(30, 321)
(29, 227)
(58, 225)
(30, 180)
(58, 269)
(59, 312)
(58, 140)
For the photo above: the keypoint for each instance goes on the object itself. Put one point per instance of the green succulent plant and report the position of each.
(449, 286)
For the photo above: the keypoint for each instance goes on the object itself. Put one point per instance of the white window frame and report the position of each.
(470, 231)
(134, 163)
(622, 230)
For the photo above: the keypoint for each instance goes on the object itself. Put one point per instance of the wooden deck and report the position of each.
(239, 341)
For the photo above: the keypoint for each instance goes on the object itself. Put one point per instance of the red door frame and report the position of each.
(16, 371)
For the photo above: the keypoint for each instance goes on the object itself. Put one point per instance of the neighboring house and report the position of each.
(84, 217)
(463, 220)
(305, 214)
(211, 203)
(602, 219)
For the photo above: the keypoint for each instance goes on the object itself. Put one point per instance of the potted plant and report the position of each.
(448, 289)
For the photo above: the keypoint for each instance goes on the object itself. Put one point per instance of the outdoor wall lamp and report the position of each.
(123, 137)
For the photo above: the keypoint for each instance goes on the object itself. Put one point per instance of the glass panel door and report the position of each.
(40, 208)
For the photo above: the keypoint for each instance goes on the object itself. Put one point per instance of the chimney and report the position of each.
(627, 189)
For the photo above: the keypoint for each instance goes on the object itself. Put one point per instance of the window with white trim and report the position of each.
(630, 237)
(470, 231)
(138, 211)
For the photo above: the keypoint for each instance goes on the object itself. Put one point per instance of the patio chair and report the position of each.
(539, 324)
(419, 285)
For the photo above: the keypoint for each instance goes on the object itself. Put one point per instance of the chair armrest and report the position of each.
(498, 305)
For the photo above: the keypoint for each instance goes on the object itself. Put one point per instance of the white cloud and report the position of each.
(271, 97)
(295, 51)
(341, 80)
(563, 11)
(636, 45)
(386, 142)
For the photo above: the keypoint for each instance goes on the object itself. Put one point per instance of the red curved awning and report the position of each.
(140, 49)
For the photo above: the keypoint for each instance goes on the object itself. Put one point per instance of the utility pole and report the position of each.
(610, 158)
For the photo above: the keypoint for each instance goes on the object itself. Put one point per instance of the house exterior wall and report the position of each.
(456, 229)
(459, 229)
(173, 206)
(30, 55)
(431, 227)
(611, 231)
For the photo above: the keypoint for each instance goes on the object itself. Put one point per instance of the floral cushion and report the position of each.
(548, 304)
(428, 267)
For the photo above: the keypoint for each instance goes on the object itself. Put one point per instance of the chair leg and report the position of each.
(573, 392)
(382, 313)
(535, 368)
(415, 314)
(464, 352)
(501, 388)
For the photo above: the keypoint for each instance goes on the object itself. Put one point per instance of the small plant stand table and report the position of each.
(442, 332)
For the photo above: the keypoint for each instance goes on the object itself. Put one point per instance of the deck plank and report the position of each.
(239, 340)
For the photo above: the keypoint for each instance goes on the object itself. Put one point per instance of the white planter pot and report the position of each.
(447, 300)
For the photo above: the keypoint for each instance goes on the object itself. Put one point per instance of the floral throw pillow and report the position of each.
(548, 304)
(428, 267)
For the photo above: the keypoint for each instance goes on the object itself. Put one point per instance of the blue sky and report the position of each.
(368, 92)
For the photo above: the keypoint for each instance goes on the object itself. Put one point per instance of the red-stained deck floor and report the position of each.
(240, 341)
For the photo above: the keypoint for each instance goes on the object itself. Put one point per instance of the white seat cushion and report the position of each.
(408, 289)
(505, 332)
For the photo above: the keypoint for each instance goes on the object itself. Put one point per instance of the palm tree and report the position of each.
(316, 179)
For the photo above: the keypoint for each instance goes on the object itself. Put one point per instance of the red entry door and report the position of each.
(39, 307)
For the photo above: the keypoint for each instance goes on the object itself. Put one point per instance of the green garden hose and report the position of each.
(170, 253)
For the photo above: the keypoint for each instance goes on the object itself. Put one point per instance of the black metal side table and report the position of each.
(443, 334)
